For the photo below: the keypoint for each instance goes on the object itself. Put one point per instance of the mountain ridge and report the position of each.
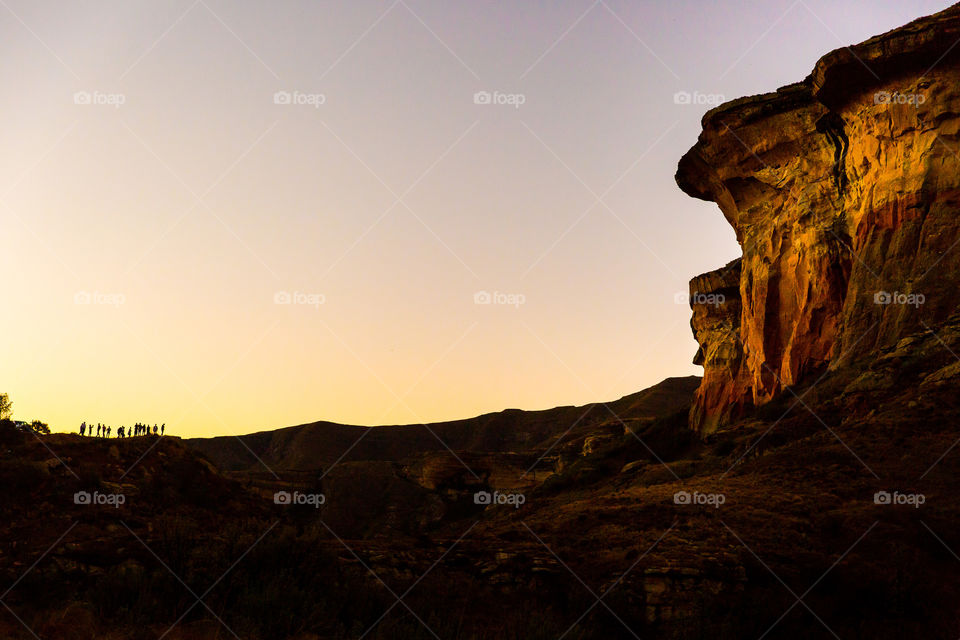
(308, 445)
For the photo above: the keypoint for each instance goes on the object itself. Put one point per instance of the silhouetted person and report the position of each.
(98, 430)
(120, 432)
(162, 428)
(83, 428)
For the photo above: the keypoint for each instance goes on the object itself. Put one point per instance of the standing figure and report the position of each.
(83, 428)
(162, 428)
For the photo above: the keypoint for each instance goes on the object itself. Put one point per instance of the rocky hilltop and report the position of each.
(843, 190)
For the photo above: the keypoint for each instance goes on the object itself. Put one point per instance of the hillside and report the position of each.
(402, 479)
(798, 482)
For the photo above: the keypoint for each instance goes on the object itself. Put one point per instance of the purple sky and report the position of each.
(154, 234)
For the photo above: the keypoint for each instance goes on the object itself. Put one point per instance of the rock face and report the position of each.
(715, 298)
(844, 192)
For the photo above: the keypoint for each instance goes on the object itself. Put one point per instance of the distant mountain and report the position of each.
(319, 444)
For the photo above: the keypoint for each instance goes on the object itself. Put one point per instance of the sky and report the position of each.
(232, 216)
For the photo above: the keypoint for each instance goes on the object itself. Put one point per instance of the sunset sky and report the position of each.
(231, 216)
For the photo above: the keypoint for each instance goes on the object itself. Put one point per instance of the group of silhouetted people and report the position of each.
(103, 431)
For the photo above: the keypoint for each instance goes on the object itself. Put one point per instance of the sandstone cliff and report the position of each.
(844, 191)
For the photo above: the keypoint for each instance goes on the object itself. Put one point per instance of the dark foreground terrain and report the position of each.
(782, 532)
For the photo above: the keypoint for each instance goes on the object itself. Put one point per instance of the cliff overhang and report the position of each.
(843, 190)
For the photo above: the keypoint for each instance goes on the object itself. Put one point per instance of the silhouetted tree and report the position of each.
(6, 407)
(40, 427)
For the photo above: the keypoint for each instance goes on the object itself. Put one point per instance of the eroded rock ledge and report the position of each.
(844, 192)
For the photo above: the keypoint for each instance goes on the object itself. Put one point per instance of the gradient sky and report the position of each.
(180, 214)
